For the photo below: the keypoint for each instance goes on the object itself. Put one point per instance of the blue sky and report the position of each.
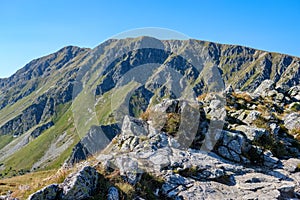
(30, 29)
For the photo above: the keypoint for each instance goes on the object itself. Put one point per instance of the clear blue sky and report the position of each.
(30, 29)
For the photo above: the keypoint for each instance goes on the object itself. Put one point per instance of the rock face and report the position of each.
(48, 193)
(265, 86)
(96, 140)
(80, 185)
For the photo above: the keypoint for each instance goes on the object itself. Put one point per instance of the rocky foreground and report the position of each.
(243, 146)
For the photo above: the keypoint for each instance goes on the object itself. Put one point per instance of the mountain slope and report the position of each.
(54, 101)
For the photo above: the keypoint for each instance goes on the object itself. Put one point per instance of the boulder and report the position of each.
(47, 193)
(80, 185)
(265, 86)
(292, 121)
(232, 146)
(252, 116)
(133, 127)
(129, 169)
(253, 134)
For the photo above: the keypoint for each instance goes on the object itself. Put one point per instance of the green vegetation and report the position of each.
(188, 172)
(22, 161)
(4, 140)
(172, 124)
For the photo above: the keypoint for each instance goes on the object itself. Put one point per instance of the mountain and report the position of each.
(71, 105)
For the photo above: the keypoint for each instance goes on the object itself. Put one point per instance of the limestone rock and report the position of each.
(133, 127)
(48, 193)
(80, 185)
(265, 86)
(253, 134)
(113, 194)
(292, 121)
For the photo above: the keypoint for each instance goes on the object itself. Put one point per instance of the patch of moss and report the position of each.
(172, 124)
(189, 172)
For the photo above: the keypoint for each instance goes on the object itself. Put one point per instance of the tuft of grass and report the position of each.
(145, 115)
(243, 95)
(202, 97)
(296, 133)
(172, 124)
(298, 168)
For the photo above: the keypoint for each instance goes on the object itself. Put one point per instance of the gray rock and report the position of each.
(252, 133)
(275, 129)
(129, 169)
(223, 151)
(217, 109)
(292, 121)
(291, 165)
(229, 90)
(167, 106)
(252, 116)
(235, 146)
(295, 92)
(270, 160)
(113, 194)
(80, 185)
(265, 86)
(47, 193)
(189, 124)
(133, 127)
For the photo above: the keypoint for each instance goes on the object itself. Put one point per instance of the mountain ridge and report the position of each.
(52, 106)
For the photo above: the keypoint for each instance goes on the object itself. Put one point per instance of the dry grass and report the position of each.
(296, 133)
(243, 95)
(22, 186)
(202, 97)
(145, 115)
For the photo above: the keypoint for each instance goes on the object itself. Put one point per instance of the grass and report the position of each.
(296, 133)
(103, 108)
(295, 107)
(172, 124)
(23, 186)
(4, 140)
(112, 101)
(23, 160)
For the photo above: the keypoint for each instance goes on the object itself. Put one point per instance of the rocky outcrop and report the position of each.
(96, 140)
(48, 193)
(197, 174)
(78, 185)
(292, 121)
(40, 129)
